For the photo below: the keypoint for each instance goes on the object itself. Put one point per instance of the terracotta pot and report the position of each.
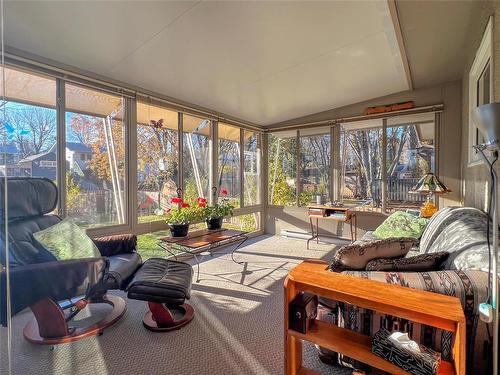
(178, 230)
(214, 223)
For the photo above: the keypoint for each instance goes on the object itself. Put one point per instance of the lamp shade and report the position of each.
(430, 184)
(487, 118)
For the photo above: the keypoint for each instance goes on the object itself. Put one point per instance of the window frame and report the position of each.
(240, 143)
(383, 149)
(125, 102)
(212, 143)
(258, 168)
(483, 57)
(151, 102)
(296, 137)
(335, 177)
(130, 99)
(241, 188)
(321, 132)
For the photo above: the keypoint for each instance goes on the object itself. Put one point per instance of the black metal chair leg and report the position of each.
(198, 268)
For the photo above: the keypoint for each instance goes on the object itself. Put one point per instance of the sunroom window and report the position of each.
(315, 161)
(229, 164)
(196, 157)
(361, 163)
(157, 161)
(282, 168)
(252, 168)
(29, 120)
(96, 188)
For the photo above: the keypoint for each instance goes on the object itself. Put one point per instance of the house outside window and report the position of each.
(48, 164)
(31, 129)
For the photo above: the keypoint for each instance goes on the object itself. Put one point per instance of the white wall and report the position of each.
(476, 177)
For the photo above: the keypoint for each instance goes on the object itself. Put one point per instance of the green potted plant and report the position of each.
(321, 193)
(179, 218)
(215, 214)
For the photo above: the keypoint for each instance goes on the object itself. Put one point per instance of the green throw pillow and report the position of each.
(401, 224)
(66, 240)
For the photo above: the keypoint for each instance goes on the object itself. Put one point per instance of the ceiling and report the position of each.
(262, 62)
(435, 33)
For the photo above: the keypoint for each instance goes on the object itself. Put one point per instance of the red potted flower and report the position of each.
(179, 218)
(214, 215)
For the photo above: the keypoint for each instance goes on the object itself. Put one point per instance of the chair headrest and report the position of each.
(27, 197)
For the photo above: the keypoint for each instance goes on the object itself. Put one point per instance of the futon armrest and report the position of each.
(57, 280)
(116, 244)
(468, 286)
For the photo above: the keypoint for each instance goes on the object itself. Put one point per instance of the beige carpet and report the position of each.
(237, 329)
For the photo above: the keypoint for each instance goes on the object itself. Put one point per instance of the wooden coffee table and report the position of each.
(202, 242)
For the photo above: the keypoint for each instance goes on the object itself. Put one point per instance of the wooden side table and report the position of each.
(337, 214)
(436, 310)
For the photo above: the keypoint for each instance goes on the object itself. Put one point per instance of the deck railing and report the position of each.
(398, 191)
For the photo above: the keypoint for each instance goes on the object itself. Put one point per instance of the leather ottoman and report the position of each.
(165, 285)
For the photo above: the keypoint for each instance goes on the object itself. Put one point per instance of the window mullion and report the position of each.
(131, 160)
(180, 150)
(264, 172)
(437, 122)
(242, 168)
(61, 144)
(335, 169)
(298, 172)
(383, 172)
(215, 162)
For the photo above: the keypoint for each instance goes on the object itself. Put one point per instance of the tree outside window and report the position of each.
(282, 169)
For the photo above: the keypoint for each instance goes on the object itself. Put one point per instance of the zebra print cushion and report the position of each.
(356, 256)
(422, 262)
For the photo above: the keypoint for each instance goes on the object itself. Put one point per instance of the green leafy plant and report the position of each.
(179, 216)
(322, 188)
(305, 198)
(221, 209)
(73, 193)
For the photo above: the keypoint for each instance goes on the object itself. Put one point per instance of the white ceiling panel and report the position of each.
(260, 61)
(90, 35)
(434, 34)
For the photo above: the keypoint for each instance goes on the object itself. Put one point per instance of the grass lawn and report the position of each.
(147, 245)
(150, 218)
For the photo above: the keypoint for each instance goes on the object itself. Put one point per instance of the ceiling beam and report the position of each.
(393, 10)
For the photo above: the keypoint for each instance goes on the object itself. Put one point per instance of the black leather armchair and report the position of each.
(120, 250)
(57, 290)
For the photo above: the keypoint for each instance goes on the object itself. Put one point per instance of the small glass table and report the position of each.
(203, 242)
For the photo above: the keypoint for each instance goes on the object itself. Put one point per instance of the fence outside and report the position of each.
(398, 191)
(92, 207)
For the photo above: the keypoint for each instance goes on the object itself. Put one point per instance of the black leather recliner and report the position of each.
(56, 290)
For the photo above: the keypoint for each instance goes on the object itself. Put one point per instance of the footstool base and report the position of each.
(160, 318)
(165, 284)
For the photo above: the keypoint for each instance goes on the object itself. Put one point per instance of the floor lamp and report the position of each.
(487, 117)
